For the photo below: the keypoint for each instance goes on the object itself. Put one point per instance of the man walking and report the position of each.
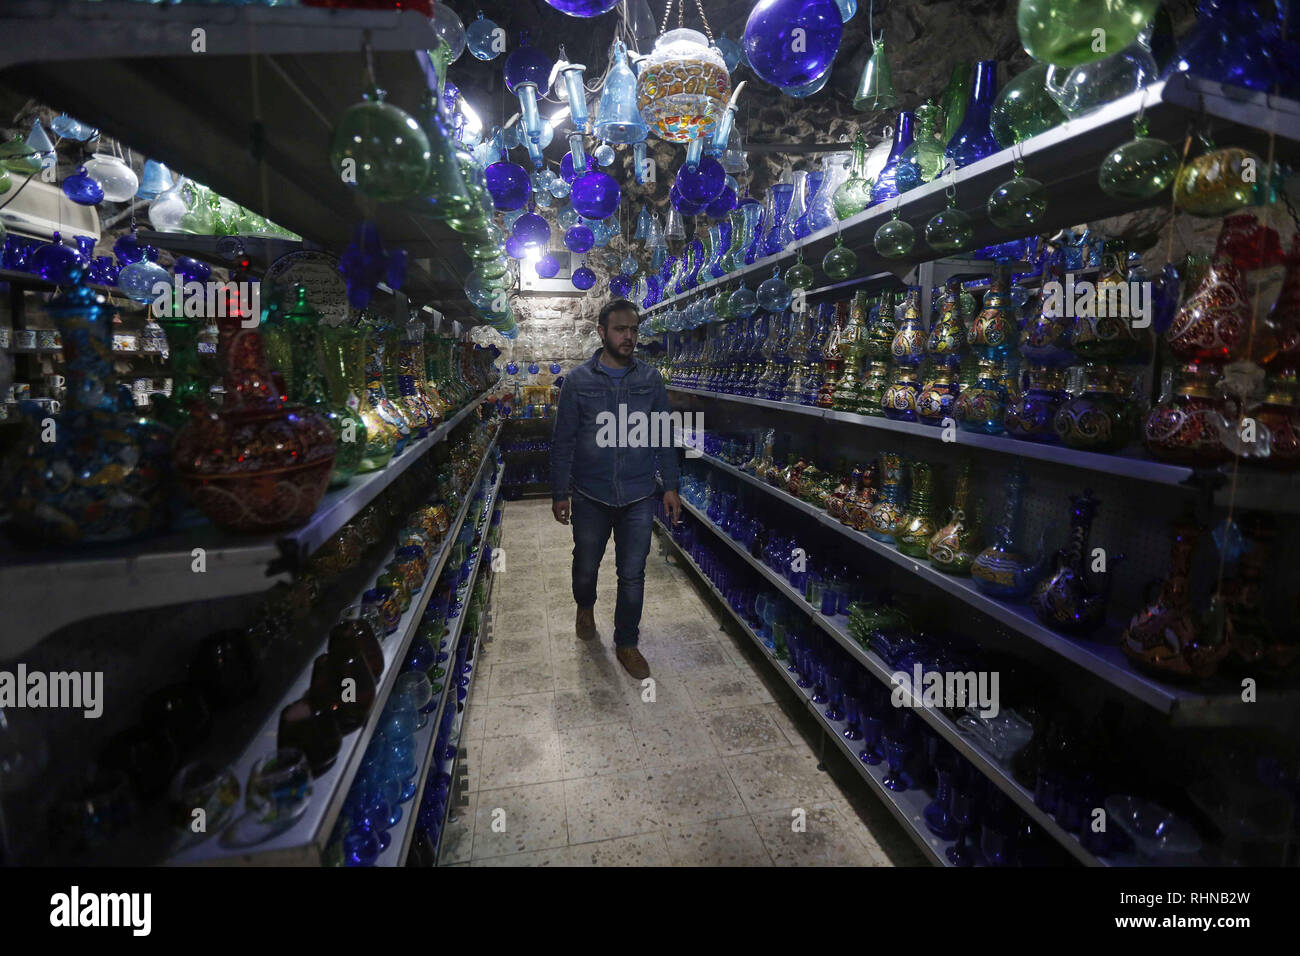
(603, 484)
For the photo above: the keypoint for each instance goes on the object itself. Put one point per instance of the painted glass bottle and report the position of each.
(884, 516)
(917, 526)
(1002, 569)
(953, 547)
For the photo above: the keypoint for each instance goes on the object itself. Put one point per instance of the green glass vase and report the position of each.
(854, 194)
(922, 161)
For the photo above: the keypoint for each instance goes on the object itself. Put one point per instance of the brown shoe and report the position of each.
(586, 623)
(632, 662)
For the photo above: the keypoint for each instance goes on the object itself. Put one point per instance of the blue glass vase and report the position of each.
(974, 137)
(886, 186)
(803, 225)
(782, 194)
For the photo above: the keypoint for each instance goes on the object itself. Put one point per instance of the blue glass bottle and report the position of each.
(804, 224)
(886, 187)
(974, 138)
(782, 193)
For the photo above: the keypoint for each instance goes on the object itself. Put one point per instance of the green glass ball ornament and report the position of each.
(841, 262)
(380, 149)
(1018, 204)
(895, 238)
(1070, 32)
(1139, 169)
(950, 230)
(799, 275)
(1024, 108)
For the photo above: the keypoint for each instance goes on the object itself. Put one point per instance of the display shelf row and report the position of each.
(907, 806)
(1065, 160)
(427, 736)
(303, 843)
(1184, 706)
(161, 571)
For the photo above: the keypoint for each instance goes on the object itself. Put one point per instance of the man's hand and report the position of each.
(560, 508)
(673, 505)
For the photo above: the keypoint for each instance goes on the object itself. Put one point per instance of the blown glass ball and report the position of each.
(841, 262)
(949, 231)
(483, 40)
(82, 189)
(583, 278)
(703, 184)
(381, 150)
(790, 43)
(516, 247)
(620, 286)
(684, 205)
(509, 185)
(533, 229)
(603, 154)
(1017, 204)
(720, 207)
(548, 267)
(799, 276)
(742, 303)
(583, 8)
(596, 195)
(1139, 169)
(1065, 32)
(579, 238)
(894, 238)
(773, 294)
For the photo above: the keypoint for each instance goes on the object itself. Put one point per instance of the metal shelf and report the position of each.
(1141, 469)
(158, 572)
(1103, 659)
(304, 842)
(427, 736)
(1065, 159)
(907, 806)
(257, 106)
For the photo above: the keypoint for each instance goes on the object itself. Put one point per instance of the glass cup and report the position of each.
(201, 800)
(278, 793)
(313, 731)
(349, 639)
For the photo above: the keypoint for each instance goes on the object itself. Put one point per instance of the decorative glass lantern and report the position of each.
(683, 86)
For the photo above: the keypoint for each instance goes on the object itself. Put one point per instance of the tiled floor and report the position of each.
(570, 762)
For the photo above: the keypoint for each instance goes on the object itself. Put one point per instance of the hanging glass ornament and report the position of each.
(620, 286)
(486, 40)
(596, 195)
(792, 42)
(512, 137)
(82, 189)
(876, 87)
(854, 194)
(511, 217)
(1139, 169)
(683, 205)
(516, 247)
(1018, 204)
(579, 238)
(508, 183)
(729, 50)
(157, 179)
(617, 118)
(629, 265)
(682, 86)
(1080, 89)
(451, 33)
(1024, 108)
(583, 8)
(167, 211)
(1237, 44)
(533, 229)
(974, 139)
(675, 227)
(528, 76)
(560, 189)
(380, 149)
(720, 207)
(40, 143)
(808, 89)
(603, 154)
(949, 230)
(1221, 181)
(138, 279)
(742, 303)
(799, 275)
(841, 262)
(566, 168)
(922, 161)
(704, 183)
(885, 185)
(583, 278)
(115, 177)
(894, 238)
(773, 295)
(567, 216)
(68, 128)
(1066, 32)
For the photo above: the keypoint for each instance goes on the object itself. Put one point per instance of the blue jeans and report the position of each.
(631, 524)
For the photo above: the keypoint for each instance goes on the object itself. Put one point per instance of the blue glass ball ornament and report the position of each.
(808, 89)
(730, 50)
(579, 238)
(479, 37)
(583, 278)
(516, 248)
(82, 188)
(568, 216)
(512, 137)
(57, 262)
(604, 154)
(128, 248)
(540, 180)
(596, 194)
(602, 237)
(620, 286)
(528, 64)
(742, 303)
(512, 368)
(704, 184)
(684, 205)
(583, 8)
(560, 189)
(508, 183)
(629, 265)
(566, 169)
(138, 279)
(719, 208)
(533, 368)
(548, 267)
(554, 368)
(533, 229)
(771, 41)
(773, 294)
(544, 199)
(512, 216)
(191, 270)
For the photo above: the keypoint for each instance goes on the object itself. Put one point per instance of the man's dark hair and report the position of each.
(615, 305)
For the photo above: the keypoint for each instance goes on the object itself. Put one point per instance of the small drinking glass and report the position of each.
(201, 800)
(278, 793)
(962, 810)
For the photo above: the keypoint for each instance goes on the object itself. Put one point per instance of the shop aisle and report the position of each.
(567, 765)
